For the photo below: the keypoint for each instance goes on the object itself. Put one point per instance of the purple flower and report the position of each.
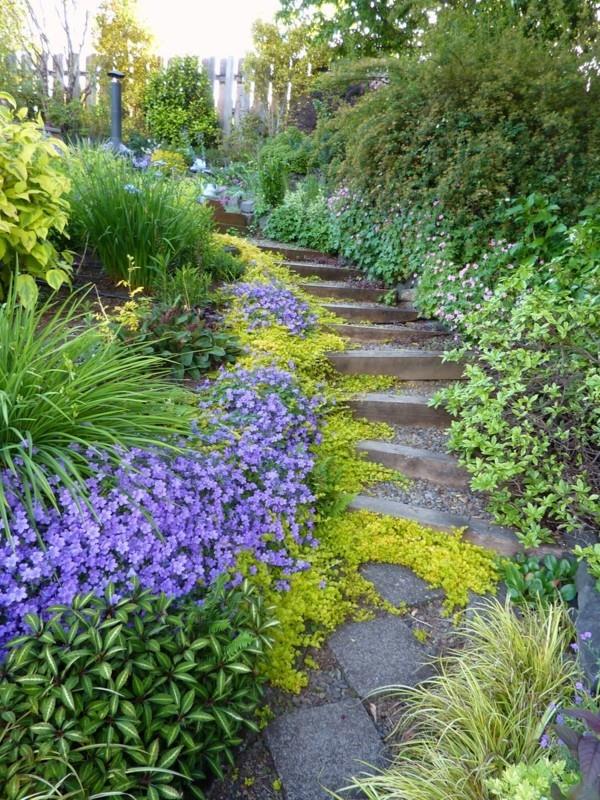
(585, 636)
(174, 520)
(545, 741)
(262, 304)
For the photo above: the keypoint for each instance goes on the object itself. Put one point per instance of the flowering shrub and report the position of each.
(175, 522)
(263, 304)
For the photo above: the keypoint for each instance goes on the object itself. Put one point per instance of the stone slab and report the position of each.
(320, 748)
(379, 653)
(587, 623)
(398, 584)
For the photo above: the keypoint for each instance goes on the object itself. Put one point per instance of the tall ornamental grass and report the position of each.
(67, 390)
(138, 223)
(485, 710)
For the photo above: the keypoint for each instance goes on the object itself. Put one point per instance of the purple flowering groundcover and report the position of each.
(265, 303)
(176, 521)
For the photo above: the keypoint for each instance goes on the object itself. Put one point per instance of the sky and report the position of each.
(204, 27)
(181, 27)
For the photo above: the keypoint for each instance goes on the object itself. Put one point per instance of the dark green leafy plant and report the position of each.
(531, 580)
(585, 749)
(136, 694)
(189, 339)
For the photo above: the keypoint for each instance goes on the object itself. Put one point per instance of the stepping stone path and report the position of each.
(323, 742)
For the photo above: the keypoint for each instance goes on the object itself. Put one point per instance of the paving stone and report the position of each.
(398, 584)
(321, 748)
(378, 653)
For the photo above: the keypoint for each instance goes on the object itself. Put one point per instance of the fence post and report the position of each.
(225, 98)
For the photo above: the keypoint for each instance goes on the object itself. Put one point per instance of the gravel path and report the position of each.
(423, 494)
(435, 344)
(433, 439)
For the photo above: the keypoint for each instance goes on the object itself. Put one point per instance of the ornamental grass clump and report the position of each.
(68, 398)
(176, 520)
(138, 223)
(485, 710)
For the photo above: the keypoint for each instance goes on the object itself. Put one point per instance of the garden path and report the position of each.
(336, 728)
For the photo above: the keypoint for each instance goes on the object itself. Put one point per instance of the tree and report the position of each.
(121, 42)
(179, 105)
(367, 28)
(285, 61)
(362, 28)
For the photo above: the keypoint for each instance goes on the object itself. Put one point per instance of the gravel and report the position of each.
(433, 439)
(423, 494)
(435, 344)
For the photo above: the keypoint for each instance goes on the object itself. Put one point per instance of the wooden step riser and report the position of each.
(323, 271)
(408, 368)
(407, 413)
(289, 253)
(385, 315)
(375, 333)
(419, 464)
(362, 294)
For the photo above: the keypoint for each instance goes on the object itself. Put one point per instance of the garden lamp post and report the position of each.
(116, 110)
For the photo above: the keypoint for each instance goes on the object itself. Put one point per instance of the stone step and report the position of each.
(378, 653)
(491, 537)
(321, 748)
(292, 252)
(399, 409)
(343, 291)
(416, 463)
(328, 272)
(409, 365)
(372, 312)
(384, 333)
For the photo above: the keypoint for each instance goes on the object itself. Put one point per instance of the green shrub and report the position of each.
(32, 203)
(178, 105)
(531, 781)
(484, 711)
(188, 339)
(292, 148)
(138, 223)
(467, 126)
(136, 694)
(539, 580)
(286, 154)
(272, 183)
(528, 414)
(66, 388)
(304, 218)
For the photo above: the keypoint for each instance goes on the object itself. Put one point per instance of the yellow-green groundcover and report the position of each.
(322, 597)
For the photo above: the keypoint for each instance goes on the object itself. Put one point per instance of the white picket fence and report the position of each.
(234, 95)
